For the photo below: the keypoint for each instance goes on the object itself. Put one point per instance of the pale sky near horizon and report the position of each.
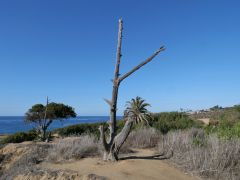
(66, 50)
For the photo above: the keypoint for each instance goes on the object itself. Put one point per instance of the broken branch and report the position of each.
(108, 101)
(142, 64)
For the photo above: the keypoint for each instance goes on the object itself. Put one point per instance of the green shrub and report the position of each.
(88, 128)
(172, 121)
(20, 137)
(79, 129)
(225, 129)
(236, 129)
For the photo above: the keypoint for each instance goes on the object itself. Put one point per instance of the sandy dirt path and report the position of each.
(204, 120)
(137, 166)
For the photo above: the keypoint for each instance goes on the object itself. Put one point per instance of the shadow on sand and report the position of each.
(154, 157)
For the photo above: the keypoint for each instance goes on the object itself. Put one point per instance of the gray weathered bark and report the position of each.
(114, 143)
(46, 123)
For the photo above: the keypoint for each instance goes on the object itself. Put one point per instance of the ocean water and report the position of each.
(13, 124)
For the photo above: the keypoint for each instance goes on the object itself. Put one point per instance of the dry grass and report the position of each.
(65, 149)
(26, 163)
(88, 146)
(141, 138)
(206, 156)
(73, 148)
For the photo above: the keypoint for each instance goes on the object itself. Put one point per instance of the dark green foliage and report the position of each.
(80, 129)
(217, 107)
(54, 111)
(161, 121)
(42, 116)
(172, 121)
(20, 137)
(60, 111)
(237, 108)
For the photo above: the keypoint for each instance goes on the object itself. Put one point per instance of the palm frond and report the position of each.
(136, 109)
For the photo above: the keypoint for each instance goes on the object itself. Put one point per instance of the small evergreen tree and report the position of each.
(42, 116)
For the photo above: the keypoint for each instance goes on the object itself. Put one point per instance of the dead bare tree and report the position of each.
(114, 142)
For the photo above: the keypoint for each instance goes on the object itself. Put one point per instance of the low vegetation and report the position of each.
(163, 122)
(69, 149)
(79, 129)
(74, 148)
(25, 163)
(218, 113)
(143, 138)
(168, 121)
(207, 156)
(225, 129)
(210, 151)
(227, 123)
(20, 137)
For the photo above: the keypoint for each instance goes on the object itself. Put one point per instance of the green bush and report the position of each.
(167, 121)
(79, 129)
(88, 128)
(225, 130)
(236, 129)
(20, 137)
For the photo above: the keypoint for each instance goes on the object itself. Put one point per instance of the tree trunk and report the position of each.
(44, 125)
(114, 143)
(111, 151)
(122, 136)
(43, 133)
(113, 108)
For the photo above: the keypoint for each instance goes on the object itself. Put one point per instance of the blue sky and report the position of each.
(66, 50)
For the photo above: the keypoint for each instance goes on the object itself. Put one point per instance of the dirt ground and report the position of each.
(205, 120)
(141, 165)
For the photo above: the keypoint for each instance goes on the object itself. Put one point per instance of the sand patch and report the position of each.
(140, 166)
(204, 120)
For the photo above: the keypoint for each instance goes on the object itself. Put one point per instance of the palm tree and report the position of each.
(136, 110)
